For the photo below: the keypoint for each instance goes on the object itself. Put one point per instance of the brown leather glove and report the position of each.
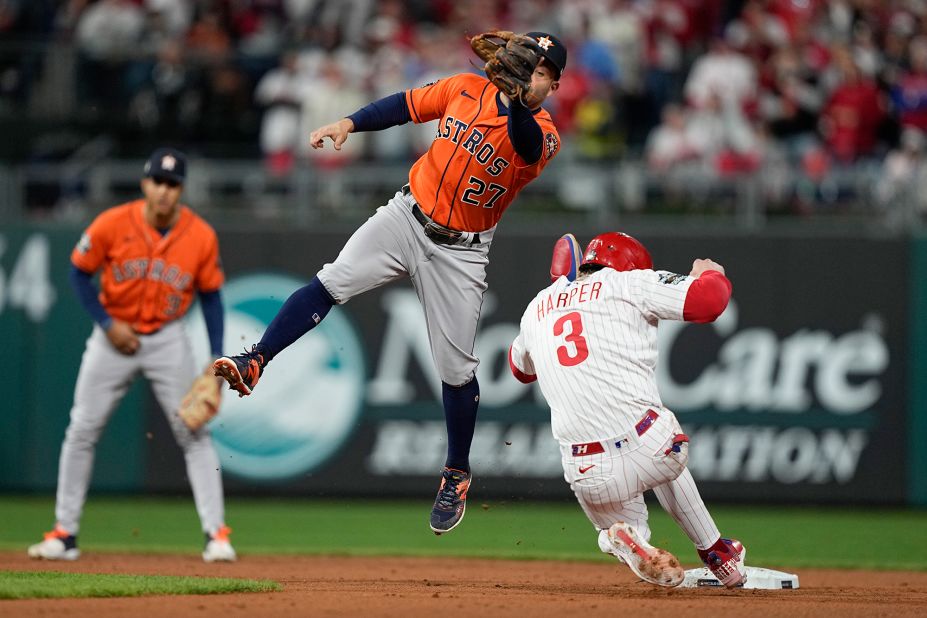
(201, 402)
(510, 62)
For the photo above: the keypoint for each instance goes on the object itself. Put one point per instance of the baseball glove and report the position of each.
(201, 402)
(510, 61)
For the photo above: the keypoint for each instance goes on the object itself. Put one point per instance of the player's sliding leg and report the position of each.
(609, 487)
(652, 564)
(302, 311)
(633, 513)
(724, 557)
(620, 515)
(624, 533)
(566, 258)
(681, 499)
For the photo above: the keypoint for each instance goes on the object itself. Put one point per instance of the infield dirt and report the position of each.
(409, 587)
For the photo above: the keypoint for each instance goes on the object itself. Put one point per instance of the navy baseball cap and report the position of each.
(552, 49)
(167, 163)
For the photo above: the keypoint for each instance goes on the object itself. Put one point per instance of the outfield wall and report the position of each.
(805, 389)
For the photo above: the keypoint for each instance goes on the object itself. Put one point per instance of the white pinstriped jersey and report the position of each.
(593, 345)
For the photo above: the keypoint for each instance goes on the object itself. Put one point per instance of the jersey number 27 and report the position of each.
(576, 351)
(477, 188)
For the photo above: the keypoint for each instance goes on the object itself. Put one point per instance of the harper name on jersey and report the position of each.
(577, 294)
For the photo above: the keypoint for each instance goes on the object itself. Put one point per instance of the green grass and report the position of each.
(775, 536)
(54, 584)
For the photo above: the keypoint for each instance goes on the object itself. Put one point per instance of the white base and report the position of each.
(757, 579)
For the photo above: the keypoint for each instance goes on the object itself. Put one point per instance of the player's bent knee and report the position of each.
(673, 456)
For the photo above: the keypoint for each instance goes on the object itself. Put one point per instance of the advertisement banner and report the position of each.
(802, 391)
(796, 393)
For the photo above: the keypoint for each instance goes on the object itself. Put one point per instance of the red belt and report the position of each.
(594, 448)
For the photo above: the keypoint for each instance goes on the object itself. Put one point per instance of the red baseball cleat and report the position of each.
(651, 564)
(725, 559)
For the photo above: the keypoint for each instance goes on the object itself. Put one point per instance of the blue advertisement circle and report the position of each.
(309, 399)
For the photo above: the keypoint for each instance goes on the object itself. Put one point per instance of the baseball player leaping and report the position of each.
(437, 230)
(154, 254)
(591, 343)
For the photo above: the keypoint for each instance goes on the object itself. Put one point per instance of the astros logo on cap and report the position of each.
(545, 43)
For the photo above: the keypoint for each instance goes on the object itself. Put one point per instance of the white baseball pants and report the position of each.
(166, 360)
(609, 485)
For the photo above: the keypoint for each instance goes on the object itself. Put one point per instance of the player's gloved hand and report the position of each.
(510, 62)
(702, 265)
(201, 403)
(123, 337)
(336, 131)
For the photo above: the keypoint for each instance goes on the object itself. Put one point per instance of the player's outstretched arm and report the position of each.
(336, 131)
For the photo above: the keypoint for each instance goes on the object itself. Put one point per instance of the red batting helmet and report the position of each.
(618, 251)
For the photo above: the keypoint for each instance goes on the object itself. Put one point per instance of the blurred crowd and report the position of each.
(695, 88)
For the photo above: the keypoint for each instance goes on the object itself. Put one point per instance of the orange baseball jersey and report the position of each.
(149, 279)
(471, 173)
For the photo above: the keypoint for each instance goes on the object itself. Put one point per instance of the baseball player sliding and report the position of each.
(437, 230)
(153, 254)
(591, 343)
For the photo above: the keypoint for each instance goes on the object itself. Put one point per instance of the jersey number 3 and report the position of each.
(574, 337)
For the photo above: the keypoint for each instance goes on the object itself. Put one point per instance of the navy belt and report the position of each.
(438, 233)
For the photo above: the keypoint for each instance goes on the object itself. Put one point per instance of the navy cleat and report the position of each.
(241, 371)
(451, 502)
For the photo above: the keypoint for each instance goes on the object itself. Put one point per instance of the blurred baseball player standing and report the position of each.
(153, 254)
(592, 346)
(437, 230)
